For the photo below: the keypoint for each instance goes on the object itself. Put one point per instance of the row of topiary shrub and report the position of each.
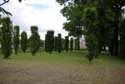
(11, 39)
(59, 44)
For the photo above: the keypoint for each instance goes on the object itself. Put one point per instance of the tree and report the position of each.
(71, 44)
(6, 1)
(63, 44)
(77, 44)
(79, 13)
(16, 39)
(3, 10)
(46, 42)
(49, 41)
(67, 43)
(59, 43)
(97, 18)
(73, 13)
(6, 31)
(91, 46)
(34, 40)
(24, 41)
(91, 23)
(122, 40)
(55, 43)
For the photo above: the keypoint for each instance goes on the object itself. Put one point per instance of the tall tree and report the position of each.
(34, 40)
(49, 41)
(100, 18)
(116, 8)
(77, 44)
(59, 43)
(73, 13)
(63, 44)
(67, 43)
(24, 41)
(46, 42)
(122, 40)
(55, 43)
(6, 32)
(16, 38)
(71, 44)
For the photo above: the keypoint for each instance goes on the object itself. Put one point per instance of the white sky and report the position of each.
(43, 13)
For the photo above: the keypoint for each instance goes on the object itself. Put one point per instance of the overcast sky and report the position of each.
(43, 13)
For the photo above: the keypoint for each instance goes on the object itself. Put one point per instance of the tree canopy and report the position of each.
(101, 21)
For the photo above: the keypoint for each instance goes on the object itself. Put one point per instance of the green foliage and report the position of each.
(46, 42)
(55, 43)
(122, 40)
(59, 43)
(71, 44)
(73, 10)
(90, 16)
(49, 41)
(63, 44)
(99, 17)
(6, 37)
(34, 40)
(24, 41)
(92, 46)
(34, 29)
(77, 44)
(16, 38)
(67, 43)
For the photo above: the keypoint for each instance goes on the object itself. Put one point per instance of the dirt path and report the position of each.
(12, 72)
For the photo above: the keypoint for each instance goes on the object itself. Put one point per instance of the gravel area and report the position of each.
(27, 72)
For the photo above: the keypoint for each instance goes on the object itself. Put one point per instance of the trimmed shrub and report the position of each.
(67, 43)
(6, 37)
(16, 40)
(34, 40)
(55, 43)
(49, 41)
(59, 43)
(24, 41)
(71, 44)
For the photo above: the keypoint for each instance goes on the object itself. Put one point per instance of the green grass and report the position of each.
(75, 57)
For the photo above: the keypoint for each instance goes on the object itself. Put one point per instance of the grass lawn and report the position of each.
(63, 68)
(76, 57)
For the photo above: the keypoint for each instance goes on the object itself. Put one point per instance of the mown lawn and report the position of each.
(75, 57)
(63, 68)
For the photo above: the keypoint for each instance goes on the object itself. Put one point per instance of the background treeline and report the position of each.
(12, 40)
(59, 44)
(100, 21)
